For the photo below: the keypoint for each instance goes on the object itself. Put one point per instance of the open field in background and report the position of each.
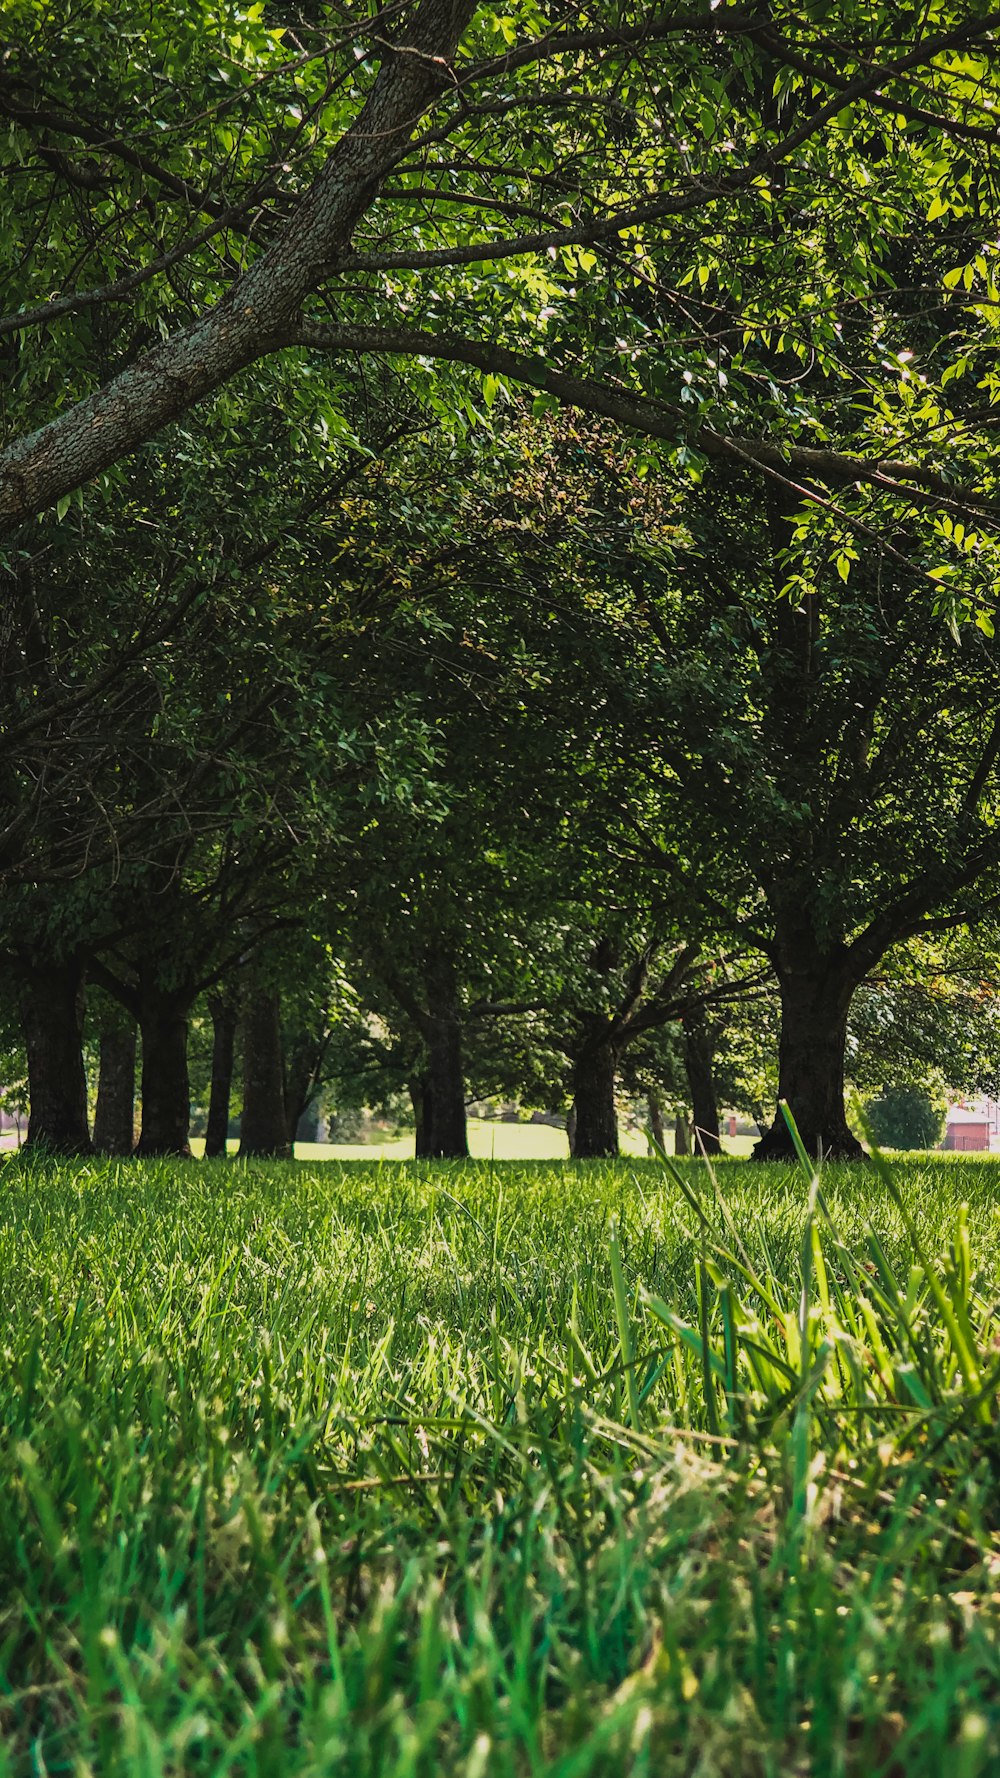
(493, 1470)
(489, 1139)
(492, 1139)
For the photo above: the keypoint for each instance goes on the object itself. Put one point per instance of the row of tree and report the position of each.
(550, 569)
(295, 1030)
(540, 826)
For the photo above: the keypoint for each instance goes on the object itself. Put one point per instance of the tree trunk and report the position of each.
(51, 1008)
(594, 1102)
(448, 1137)
(307, 1124)
(815, 1002)
(656, 1119)
(303, 1060)
(263, 1125)
(223, 1010)
(420, 1099)
(114, 1118)
(682, 1132)
(166, 1092)
(698, 1066)
(571, 1130)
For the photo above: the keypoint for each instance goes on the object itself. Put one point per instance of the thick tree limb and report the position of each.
(109, 425)
(914, 482)
(256, 314)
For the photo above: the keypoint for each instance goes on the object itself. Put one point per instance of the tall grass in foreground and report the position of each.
(481, 1470)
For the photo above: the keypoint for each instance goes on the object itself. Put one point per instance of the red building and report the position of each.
(968, 1128)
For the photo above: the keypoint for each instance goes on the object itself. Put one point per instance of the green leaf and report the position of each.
(624, 1327)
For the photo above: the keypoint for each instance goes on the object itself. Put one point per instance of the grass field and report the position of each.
(489, 1139)
(499, 1469)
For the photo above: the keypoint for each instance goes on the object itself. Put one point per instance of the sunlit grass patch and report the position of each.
(313, 1469)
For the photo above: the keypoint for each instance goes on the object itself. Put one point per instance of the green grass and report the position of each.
(495, 1470)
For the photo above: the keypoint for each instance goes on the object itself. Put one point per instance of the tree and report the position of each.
(825, 753)
(223, 1009)
(491, 896)
(183, 754)
(114, 1112)
(345, 198)
(264, 1122)
(929, 1016)
(700, 1040)
(51, 1009)
(293, 996)
(906, 1117)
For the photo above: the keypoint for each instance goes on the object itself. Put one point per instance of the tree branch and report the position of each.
(166, 381)
(914, 482)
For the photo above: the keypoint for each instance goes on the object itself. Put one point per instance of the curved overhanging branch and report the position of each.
(916, 483)
(256, 315)
(39, 469)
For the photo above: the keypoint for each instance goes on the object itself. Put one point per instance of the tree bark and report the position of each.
(594, 1101)
(571, 1130)
(656, 1119)
(166, 1092)
(222, 1008)
(420, 1098)
(264, 1123)
(251, 318)
(439, 1021)
(51, 1008)
(114, 1118)
(682, 1132)
(447, 1137)
(698, 1066)
(815, 1001)
(307, 1124)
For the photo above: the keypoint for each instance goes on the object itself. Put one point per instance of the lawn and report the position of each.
(492, 1139)
(499, 1469)
(489, 1139)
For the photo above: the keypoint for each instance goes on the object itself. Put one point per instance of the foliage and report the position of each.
(931, 1016)
(714, 229)
(906, 1117)
(311, 1467)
